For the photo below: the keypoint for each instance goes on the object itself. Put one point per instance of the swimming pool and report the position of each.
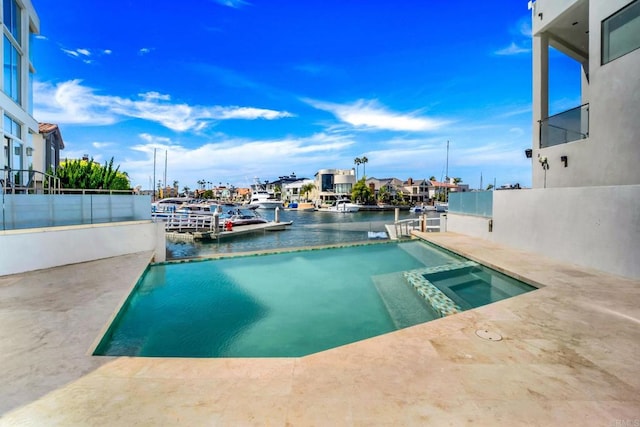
(280, 305)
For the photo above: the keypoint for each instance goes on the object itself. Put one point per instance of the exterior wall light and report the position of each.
(565, 160)
(528, 152)
(29, 151)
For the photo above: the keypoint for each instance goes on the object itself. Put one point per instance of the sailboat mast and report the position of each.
(446, 188)
(153, 187)
(165, 167)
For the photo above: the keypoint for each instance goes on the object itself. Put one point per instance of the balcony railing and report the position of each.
(571, 125)
(28, 181)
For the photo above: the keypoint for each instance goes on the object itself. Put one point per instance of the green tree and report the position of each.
(306, 189)
(456, 181)
(87, 174)
(383, 194)
(489, 187)
(361, 192)
(364, 162)
(357, 161)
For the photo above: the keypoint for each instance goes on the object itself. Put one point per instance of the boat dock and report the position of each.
(190, 227)
(402, 228)
(207, 233)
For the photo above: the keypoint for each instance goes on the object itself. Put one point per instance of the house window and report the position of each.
(11, 70)
(11, 18)
(621, 32)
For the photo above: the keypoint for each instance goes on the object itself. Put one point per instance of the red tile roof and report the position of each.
(47, 128)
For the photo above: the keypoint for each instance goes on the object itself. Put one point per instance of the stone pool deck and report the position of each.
(570, 355)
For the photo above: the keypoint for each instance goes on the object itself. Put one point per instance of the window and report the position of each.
(11, 127)
(621, 32)
(11, 70)
(11, 18)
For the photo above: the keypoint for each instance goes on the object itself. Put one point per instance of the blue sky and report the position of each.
(233, 89)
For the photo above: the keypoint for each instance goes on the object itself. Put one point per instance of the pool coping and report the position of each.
(569, 356)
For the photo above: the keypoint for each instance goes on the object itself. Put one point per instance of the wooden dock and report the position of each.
(186, 234)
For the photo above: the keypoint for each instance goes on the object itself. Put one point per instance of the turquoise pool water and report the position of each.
(282, 305)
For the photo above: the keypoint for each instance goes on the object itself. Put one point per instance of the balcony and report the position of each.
(568, 126)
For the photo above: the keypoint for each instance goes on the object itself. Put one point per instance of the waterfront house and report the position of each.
(19, 22)
(585, 202)
(333, 183)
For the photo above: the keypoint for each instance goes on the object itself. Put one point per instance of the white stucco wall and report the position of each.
(610, 155)
(596, 227)
(475, 226)
(34, 249)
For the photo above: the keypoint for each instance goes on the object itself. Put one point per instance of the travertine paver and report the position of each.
(569, 356)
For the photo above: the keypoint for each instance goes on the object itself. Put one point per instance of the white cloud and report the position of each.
(145, 50)
(372, 115)
(71, 102)
(249, 113)
(524, 28)
(101, 145)
(84, 54)
(232, 3)
(513, 49)
(218, 160)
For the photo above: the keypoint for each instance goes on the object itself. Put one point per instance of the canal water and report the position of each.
(308, 229)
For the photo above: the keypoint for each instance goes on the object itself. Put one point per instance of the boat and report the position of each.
(344, 206)
(169, 204)
(262, 199)
(422, 209)
(442, 206)
(300, 207)
(239, 217)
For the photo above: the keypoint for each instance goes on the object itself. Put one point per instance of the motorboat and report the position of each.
(242, 217)
(344, 206)
(442, 207)
(169, 204)
(300, 207)
(262, 199)
(422, 209)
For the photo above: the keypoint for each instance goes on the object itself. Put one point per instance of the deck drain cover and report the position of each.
(488, 335)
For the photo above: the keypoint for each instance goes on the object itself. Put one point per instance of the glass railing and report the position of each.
(28, 181)
(20, 211)
(571, 125)
(478, 203)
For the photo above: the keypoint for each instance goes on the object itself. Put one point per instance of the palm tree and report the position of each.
(364, 162)
(185, 190)
(306, 189)
(358, 162)
(383, 194)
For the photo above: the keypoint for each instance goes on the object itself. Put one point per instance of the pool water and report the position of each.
(280, 305)
(474, 286)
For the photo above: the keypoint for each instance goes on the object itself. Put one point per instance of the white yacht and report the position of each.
(262, 199)
(344, 206)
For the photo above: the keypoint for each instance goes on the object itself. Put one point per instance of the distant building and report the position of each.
(417, 191)
(291, 191)
(46, 150)
(19, 23)
(333, 183)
